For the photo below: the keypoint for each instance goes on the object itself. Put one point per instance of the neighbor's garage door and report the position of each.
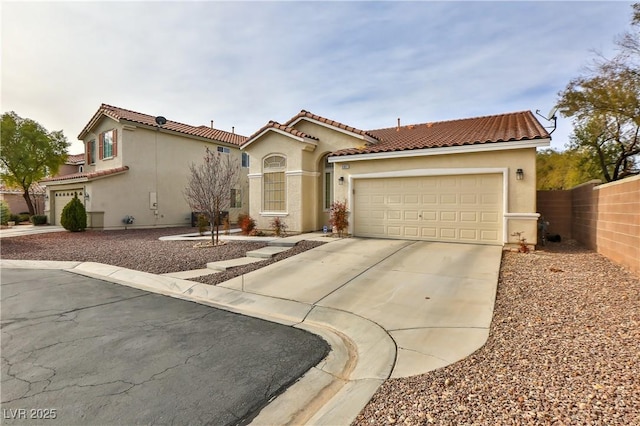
(61, 199)
(460, 208)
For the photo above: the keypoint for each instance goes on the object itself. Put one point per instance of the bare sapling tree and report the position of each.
(209, 187)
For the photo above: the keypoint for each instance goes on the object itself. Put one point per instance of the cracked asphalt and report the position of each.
(89, 352)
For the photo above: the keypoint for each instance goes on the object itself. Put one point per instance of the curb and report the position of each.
(333, 392)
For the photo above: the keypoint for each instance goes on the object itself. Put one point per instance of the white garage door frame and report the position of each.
(504, 171)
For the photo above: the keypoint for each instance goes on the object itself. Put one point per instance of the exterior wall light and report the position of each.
(519, 174)
(86, 196)
(341, 180)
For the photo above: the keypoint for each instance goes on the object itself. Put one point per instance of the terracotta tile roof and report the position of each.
(35, 188)
(136, 117)
(275, 125)
(87, 175)
(75, 159)
(307, 114)
(516, 126)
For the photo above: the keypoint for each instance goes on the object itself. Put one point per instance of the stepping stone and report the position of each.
(266, 252)
(223, 265)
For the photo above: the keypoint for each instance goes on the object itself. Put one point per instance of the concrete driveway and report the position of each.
(434, 299)
(77, 350)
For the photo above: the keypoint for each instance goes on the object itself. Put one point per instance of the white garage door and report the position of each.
(460, 208)
(62, 198)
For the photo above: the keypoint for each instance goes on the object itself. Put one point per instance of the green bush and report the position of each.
(39, 219)
(74, 216)
(23, 217)
(5, 214)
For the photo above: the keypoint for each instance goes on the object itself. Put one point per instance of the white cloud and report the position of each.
(241, 64)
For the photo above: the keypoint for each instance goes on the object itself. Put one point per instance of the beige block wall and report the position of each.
(521, 194)
(604, 218)
(555, 206)
(607, 219)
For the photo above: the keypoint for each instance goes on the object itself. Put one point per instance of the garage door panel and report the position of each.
(469, 216)
(448, 199)
(470, 199)
(466, 208)
(448, 216)
(411, 215)
(469, 234)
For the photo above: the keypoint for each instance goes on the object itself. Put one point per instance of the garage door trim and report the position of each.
(440, 172)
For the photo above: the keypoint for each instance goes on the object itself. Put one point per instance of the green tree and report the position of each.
(605, 106)
(74, 216)
(564, 170)
(28, 153)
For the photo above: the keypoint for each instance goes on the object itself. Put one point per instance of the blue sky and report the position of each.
(243, 63)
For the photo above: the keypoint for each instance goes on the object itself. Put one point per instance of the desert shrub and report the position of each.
(203, 223)
(338, 216)
(246, 223)
(23, 217)
(5, 214)
(278, 227)
(74, 216)
(39, 219)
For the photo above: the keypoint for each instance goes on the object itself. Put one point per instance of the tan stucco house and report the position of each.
(470, 180)
(134, 167)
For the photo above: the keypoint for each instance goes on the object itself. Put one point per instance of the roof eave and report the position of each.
(459, 149)
(365, 138)
(308, 141)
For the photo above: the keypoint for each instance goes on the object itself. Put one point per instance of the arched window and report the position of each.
(273, 181)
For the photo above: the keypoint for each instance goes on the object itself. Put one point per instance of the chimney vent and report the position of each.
(398, 128)
(212, 124)
(233, 129)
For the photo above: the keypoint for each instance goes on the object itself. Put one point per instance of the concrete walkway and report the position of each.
(19, 230)
(388, 308)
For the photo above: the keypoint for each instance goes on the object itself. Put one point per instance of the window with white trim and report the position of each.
(245, 160)
(108, 144)
(273, 183)
(224, 149)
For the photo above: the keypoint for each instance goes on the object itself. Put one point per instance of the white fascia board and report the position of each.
(282, 132)
(337, 129)
(463, 149)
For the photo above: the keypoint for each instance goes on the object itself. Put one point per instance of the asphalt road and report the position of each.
(77, 350)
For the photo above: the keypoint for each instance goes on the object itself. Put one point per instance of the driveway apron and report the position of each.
(434, 299)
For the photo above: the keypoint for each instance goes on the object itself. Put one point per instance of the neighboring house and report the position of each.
(74, 164)
(136, 168)
(15, 198)
(470, 180)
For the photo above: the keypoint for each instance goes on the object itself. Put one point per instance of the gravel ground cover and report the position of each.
(137, 249)
(564, 349)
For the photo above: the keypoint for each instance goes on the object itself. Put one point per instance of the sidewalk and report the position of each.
(19, 230)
